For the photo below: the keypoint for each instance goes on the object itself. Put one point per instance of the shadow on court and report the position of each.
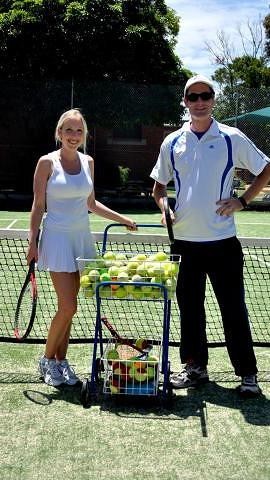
(187, 403)
(256, 411)
(64, 393)
(195, 402)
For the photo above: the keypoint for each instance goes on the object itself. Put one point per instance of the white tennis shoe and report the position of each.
(43, 365)
(191, 376)
(52, 375)
(69, 376)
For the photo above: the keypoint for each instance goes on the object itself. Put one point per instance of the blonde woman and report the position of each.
(64, 185)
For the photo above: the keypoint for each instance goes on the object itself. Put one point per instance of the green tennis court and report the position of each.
(249, 223)
(206, 433)
(148, 239)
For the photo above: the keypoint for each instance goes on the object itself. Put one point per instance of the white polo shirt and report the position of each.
(203, 172)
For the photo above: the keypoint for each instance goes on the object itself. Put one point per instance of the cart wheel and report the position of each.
(99, 368)
(170, 393)
(167, 400)
(85, 393)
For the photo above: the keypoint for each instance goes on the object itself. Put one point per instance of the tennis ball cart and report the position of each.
(133, 290)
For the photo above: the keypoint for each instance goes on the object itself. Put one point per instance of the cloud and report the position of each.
(200, 22)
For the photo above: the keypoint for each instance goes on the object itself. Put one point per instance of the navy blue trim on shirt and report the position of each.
(177, 178)
(229, 162)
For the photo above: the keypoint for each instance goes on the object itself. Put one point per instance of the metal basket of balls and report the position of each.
(129, 276)
(130, 372)
(132, 290)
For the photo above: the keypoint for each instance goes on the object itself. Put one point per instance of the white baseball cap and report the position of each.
(198, 79)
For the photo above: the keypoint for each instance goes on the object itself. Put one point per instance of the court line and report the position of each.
(11, 224)
(253, 223)
(102, 221)
(93, 220)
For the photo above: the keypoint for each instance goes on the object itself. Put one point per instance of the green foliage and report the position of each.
(124, 174)
(266, 24)
(244, 82)
(98, 40)
(113, 50)
(247, 71)
(239, 100)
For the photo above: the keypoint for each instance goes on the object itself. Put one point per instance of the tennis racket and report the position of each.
(126, 347)
(26, 305)
(168, 219)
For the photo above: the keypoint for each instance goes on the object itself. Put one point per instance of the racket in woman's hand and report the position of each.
(168, 219)
(27, 303)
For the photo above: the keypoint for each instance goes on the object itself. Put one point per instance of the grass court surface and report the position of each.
(207, 433)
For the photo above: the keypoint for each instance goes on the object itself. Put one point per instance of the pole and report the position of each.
(72, 93)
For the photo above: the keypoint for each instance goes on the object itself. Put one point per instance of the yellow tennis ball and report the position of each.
(113, 271)
(89, 292)
(85, 281)
(121, 292)
(161, 256)
(105, 291)
(151, 371)
(112, 354)
(109, 255)
(137, 293)
(122, 277)
(94, 275)
(137, 278)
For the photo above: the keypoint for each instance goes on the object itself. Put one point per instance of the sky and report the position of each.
(200, 22)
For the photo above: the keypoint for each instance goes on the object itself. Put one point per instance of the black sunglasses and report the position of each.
(193, 97)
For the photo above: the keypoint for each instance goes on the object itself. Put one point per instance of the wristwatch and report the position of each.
(243, 202)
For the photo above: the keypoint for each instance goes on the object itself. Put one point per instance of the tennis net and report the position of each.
(145, 314)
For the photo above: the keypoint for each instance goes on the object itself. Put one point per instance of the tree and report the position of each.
(250, 69)
(125, 40)
(110, 51)
(266, 24)
(239, 76)
(114, 59)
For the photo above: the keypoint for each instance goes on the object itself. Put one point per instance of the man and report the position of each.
(201, 158)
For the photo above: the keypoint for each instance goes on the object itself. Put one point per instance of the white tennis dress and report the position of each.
(66, 232)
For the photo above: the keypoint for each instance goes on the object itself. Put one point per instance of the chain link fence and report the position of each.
(127, 124)
(248, 110)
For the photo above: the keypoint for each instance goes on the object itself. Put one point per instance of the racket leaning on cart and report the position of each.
(27, 303)
(126, 348)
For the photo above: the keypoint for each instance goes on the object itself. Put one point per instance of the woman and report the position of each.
(63, 182)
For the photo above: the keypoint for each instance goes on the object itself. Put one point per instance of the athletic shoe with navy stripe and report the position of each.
(249, 386)
(191, 376)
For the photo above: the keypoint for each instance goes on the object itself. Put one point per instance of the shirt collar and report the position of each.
(212, 131)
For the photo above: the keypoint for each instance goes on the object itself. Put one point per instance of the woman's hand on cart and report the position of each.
(130, 224)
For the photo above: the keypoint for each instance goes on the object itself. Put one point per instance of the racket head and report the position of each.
(116, 336)
(126, 352)
(26, 305)
(125, 342)
(168, 219)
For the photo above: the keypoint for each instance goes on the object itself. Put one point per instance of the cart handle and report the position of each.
(139, 225)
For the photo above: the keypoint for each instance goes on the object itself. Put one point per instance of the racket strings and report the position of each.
(26, 307)
(126, 352)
